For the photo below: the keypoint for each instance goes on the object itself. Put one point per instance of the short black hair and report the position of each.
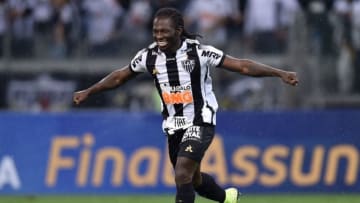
(178, 20)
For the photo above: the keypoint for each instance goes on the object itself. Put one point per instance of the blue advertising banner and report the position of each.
(125, 153)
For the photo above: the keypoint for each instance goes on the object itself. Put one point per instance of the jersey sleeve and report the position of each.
(138, 63)
(212, 56)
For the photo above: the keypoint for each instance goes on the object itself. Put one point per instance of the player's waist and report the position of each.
(177, 122)
(172, 124)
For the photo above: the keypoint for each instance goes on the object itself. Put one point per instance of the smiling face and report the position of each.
(166, 36)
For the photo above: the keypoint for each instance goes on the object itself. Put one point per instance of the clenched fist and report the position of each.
(81, 96)
(290, 78)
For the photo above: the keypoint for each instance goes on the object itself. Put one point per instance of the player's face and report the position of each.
(165, 35)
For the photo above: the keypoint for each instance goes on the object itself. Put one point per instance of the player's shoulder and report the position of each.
(200, 46)
(209, 52)
(141, 52)
(146, 49)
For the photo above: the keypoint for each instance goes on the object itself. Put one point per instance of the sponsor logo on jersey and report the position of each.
(188, 65)
(210, 54)
(179, 122)
(178, 88)
(136, 61)
(189, 149)
(192, 133)
(183, 97)
(180, 94)
(174, 123)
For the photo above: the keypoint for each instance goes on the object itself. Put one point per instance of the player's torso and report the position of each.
(174, 77)
(178, 76)
(183, 81)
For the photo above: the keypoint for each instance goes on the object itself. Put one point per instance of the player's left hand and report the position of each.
(290, 78)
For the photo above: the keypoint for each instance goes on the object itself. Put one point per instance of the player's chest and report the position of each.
(177, 68)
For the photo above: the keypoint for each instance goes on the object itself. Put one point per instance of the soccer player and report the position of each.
(180, 65)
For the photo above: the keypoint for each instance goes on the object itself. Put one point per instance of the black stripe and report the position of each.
(150, 65)
(196, 84)
(174, 80)
(212, 113)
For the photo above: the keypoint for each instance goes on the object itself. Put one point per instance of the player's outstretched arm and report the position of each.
(111, 81)
(255, 69)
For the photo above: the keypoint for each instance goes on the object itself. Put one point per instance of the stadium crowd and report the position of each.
(65, 29)
(58, 27)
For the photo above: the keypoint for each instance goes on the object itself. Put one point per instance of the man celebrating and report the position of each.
(180, 65)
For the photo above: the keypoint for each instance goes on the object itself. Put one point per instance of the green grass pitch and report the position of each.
(251, 198)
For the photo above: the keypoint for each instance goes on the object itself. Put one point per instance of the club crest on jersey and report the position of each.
(188, 65)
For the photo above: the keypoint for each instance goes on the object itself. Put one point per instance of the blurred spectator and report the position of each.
(208, 18)
(63, 21)
(266, 24)
(139, 98)
(101, 19)
(234, 21)
(318, 20)
(245, 93)
(135, 29)
(356, 42)
(43, 13)
(343, 27)
(22, 29)
(178, 4)
(43, 93)
(320, 25)
(287, 12)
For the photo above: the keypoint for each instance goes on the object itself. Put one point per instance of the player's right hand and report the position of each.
(290, 78)
(80, 96)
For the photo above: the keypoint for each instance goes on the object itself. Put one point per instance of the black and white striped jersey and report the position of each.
(183, 82)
